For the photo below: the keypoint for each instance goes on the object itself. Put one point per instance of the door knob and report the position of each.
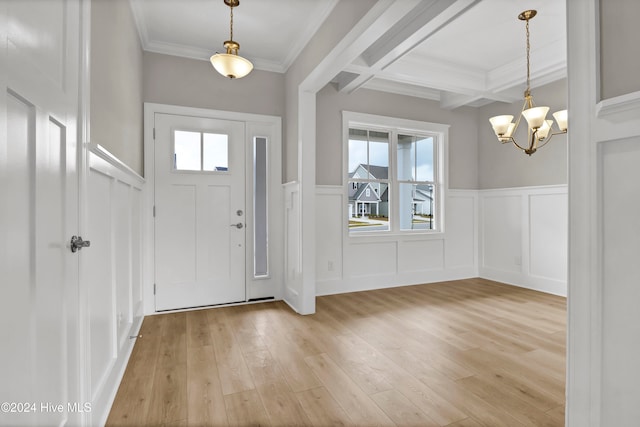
(77, 243)
(238, 225)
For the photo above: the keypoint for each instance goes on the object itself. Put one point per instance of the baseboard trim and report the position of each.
(115, 377)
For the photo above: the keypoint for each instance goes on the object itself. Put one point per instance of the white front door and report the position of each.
(39, 212)
(199, 211)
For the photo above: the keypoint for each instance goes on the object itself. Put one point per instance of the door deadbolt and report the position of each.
(77, 243)
(239, 212)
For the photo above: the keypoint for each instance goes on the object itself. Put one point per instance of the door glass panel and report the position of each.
(215, 152)
(186, 153)
(260, 201)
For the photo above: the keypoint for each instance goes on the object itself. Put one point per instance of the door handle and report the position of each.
(238, 225)
(77, 243)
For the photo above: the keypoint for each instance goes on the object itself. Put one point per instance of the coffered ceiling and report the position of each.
(459, 52)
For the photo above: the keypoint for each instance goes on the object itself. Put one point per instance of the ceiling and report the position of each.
(463, 52)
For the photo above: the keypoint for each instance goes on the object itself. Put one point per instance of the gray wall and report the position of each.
(620, 50)
(194, 83)
(502, 165)
(463, 133)
(116, 82)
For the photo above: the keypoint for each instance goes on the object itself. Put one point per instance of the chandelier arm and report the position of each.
(533, 141)
(516, 144)
(548, 138)
(515, 128)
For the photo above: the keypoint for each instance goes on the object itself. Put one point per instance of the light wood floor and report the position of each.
(459, 354)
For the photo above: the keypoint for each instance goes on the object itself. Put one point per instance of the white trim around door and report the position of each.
(259, 130)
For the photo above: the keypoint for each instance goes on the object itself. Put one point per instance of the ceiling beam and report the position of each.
(383, 15)
(423, 21)
(420, 22)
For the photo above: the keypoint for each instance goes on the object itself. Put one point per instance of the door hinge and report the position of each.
(154, 211)
(154, 288)
(154, 134)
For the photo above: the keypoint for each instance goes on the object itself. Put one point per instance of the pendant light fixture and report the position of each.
(539, 132)
(231, 64)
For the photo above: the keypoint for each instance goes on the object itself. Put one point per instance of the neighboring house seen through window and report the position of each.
(403, 166)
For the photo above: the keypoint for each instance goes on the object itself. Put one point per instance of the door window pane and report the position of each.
(186, 154)
(215, 150)
(197, 151)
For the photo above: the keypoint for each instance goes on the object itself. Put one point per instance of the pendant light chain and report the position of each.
(231, 25)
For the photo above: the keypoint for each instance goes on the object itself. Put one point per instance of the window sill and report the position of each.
(393, 236)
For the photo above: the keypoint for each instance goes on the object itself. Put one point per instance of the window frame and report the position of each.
(396, 126)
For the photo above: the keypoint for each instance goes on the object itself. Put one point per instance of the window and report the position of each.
(200, 151)
(402, 161)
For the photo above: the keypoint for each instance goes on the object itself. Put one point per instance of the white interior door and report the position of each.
(39, 212)
(199, 211)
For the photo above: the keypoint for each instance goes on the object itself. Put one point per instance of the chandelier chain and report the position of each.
(528, 53)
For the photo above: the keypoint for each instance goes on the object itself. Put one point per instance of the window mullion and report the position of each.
(394, 211)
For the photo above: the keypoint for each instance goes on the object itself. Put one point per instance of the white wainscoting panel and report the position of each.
(365, 259)
(502, 232)
(328, 232)
(620, 204)
(293, 244)
(111, 268)
(548, 216)
(523, 237)
(348, 264)
(461, 226)
(420, 255)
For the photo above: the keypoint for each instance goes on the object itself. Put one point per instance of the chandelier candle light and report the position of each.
(540, 131)
(231, 64)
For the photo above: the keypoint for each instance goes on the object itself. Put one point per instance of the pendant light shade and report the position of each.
(535, 116)
(231, 64)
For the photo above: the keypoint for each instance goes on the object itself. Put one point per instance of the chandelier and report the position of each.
(231, 64)
(540, 130)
